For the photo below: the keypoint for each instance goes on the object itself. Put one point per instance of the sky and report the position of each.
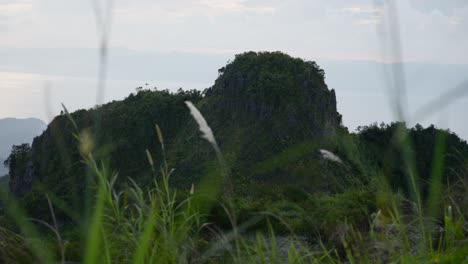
(49, 51)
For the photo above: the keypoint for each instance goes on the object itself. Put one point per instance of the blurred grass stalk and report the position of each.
(391, 49)
(158, 228)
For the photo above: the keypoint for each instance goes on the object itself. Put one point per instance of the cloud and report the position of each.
(455, 20)
(362, 10)
(237, 6)
(11, 9)
(334, 29)
(12, 12)
(180, 11)
(364, 15)
(444, 6)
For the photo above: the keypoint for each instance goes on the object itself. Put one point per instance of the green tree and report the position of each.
(17, 159)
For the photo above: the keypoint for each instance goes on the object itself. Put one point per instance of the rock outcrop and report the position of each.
(260, 105)
(21, 184)
(287, 94)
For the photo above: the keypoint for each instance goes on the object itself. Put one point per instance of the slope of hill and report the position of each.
(16, 131)
(272, 116)
(261, 105)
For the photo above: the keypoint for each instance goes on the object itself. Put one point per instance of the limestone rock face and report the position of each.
(261, 105)
(21, 184)
(287, 95)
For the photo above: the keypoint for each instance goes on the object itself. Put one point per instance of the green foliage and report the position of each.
(16, 161)
(14, 249)
(352, 207)
(378, 142)
(262, 107)
(103, 191)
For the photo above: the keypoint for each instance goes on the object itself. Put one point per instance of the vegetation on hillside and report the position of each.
(287, 182)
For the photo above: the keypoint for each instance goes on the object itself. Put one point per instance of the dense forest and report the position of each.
(284, 151)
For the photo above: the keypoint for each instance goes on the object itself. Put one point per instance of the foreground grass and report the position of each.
(160, 224)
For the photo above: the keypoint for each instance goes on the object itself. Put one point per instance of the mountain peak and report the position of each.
(276, 89)
(261, 103)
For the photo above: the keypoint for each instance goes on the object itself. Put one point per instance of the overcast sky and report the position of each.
(171, 44)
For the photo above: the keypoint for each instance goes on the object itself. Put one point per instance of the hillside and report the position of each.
(261, 105)
(272, 115)
(287, 165)
(16, 131)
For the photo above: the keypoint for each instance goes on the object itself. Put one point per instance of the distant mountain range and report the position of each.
(15, 131)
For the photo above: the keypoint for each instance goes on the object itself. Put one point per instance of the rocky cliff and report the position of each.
(286, 94)
(261, 105)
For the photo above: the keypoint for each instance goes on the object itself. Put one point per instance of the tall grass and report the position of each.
(156, 224)
(160, 224)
